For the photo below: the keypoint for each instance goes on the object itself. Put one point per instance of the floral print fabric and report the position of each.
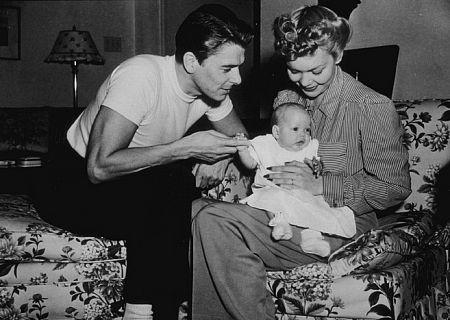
(49, 273)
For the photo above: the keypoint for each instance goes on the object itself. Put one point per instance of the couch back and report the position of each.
(426, 124)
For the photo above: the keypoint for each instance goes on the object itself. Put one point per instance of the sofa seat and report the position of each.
(47, 270)
(392, 272)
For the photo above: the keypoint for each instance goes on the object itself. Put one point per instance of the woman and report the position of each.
(365, 167)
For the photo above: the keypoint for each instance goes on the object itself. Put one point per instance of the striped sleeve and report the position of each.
(385, 180)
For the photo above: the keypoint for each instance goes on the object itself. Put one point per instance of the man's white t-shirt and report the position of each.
(145, 90)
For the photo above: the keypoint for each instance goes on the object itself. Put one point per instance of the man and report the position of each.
(132, 136)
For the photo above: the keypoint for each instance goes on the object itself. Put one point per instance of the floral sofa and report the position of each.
(47, 272)
(396, 272)
(399, 271)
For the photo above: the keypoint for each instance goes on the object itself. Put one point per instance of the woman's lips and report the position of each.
(309, 89)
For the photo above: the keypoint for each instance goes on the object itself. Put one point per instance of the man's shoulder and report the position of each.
(143, 66)
(146, 60)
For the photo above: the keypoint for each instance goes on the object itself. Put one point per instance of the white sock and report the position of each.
(313, 242)
(138, 312)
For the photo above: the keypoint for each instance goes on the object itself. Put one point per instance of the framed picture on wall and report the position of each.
(9, 33)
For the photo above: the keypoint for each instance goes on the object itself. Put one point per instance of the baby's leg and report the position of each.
(314, 242)
(282, 230)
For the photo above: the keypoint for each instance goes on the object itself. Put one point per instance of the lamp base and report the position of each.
(74, 66)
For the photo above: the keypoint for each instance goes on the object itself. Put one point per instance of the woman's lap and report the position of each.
(276, 255)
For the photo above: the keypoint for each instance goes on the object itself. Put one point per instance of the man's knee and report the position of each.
(209, 212)
(198, 205)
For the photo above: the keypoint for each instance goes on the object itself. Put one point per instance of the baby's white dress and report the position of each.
(299, 207)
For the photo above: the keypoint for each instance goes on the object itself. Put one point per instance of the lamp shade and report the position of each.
(74, 45)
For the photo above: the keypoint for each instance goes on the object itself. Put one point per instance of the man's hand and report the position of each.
(296, 175)
(210, 175)
(211, 146)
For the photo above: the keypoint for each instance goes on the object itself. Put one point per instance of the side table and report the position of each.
(16, 179)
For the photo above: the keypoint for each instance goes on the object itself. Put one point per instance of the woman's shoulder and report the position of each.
(357, 92)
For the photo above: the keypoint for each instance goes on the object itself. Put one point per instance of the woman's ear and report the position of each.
(190, 62)
(339, 57)
(276, 131)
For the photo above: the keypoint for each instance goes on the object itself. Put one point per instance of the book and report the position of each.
(7, 163)
(29, 162)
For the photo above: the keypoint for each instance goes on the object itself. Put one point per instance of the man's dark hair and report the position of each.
(209, 27)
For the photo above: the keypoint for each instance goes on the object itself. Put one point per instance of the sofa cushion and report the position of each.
(24, 236)
(399, 237)
(391, 293)
(49, 272)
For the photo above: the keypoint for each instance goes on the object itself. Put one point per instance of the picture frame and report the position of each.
(9, 33)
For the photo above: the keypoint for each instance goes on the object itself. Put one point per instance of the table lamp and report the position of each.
(74, 47)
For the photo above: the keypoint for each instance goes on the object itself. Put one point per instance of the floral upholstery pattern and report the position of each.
(395, 272)
(49, 273)
(426, 136)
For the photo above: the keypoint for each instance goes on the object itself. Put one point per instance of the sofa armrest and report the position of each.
(400, 236)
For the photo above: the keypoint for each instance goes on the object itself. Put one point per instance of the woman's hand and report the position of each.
(296, 175)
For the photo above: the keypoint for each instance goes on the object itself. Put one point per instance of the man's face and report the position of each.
(218, 73)
(313, 74)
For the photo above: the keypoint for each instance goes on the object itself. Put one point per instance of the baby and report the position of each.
(291, 140)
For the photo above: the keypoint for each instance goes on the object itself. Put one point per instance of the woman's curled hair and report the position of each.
(308, 28)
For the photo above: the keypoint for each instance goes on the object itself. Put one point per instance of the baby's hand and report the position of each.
(240, 136)
(316, 166)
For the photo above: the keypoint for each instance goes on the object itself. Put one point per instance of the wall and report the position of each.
(30, 82)
(420, 28)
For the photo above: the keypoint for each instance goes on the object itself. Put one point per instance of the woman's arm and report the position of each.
(385, 181)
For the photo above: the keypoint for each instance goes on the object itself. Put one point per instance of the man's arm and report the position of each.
(210, 175)
(230, 125)
(109, 157)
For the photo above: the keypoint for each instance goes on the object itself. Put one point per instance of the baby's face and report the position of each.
(294, 130)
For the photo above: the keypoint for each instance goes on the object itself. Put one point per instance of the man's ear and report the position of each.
(190, 62)
(276, 131)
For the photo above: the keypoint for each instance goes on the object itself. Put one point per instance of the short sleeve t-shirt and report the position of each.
(145, 90)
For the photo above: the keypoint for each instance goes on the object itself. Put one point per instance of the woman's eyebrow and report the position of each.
(312, 69)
